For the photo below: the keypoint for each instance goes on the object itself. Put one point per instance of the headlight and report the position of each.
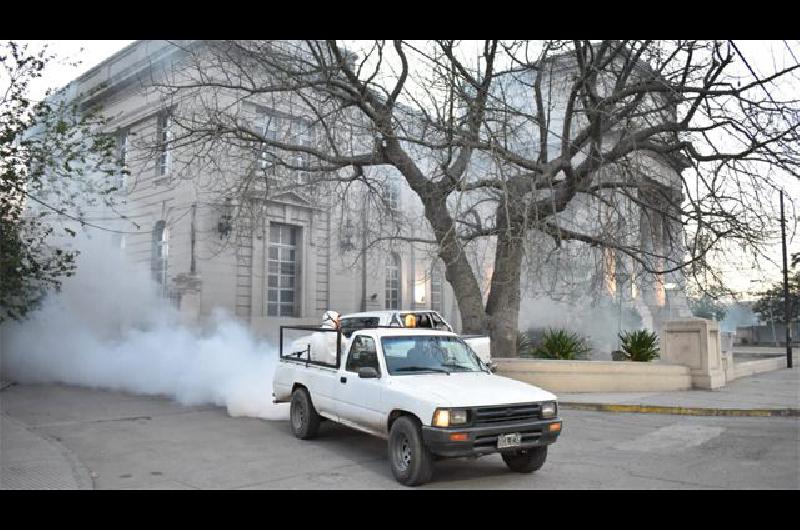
(458, 417)
(549, 409)
(449, 417)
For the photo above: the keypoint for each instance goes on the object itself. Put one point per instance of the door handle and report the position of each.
(343, 379)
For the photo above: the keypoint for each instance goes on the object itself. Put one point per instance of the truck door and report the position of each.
(359, 399)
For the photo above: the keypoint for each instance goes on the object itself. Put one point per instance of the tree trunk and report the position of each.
(458, 271)
(502, 306)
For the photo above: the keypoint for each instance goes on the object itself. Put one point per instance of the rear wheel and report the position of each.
(303, 417)
(526, 460)
(409, 458)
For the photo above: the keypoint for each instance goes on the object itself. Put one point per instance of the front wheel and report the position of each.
(303, 415)
(526, 460)
(410, 459)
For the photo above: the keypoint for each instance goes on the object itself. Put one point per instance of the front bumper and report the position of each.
(483, 440)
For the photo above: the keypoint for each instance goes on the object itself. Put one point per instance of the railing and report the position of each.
(297, 355)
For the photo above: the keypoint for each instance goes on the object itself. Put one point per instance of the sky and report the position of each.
(763, 56)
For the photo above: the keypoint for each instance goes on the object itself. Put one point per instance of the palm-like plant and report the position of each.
(561, 344)
(640, 345)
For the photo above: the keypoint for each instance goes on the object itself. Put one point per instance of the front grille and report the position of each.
(506, 414)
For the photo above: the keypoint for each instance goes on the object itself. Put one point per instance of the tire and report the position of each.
(409, 458)
(303, 416)
(527, 460)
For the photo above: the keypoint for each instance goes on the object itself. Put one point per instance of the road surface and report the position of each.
(139, 442)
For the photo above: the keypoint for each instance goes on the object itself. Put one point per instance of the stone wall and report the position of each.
(596, 376)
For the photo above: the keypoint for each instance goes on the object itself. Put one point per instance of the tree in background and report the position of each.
(771, 305)
(54, 164)
(707, 306)
(503, 145)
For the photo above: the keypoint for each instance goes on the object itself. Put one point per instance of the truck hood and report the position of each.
(474, 389)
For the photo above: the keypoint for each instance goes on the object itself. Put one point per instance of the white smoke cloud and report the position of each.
(109, 328)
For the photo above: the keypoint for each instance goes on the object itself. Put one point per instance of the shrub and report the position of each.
(640, 345)
(561, 344)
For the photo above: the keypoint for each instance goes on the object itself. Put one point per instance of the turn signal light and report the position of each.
(555, 427)
(441, 418)
(459, 437)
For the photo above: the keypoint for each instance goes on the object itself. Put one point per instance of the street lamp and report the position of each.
(668, 287)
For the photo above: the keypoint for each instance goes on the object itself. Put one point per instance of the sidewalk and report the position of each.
(30, 461)
(767, 394)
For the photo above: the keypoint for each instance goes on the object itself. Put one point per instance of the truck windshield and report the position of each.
(420, 354)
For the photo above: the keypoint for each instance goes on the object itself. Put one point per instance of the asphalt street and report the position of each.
(138, 442)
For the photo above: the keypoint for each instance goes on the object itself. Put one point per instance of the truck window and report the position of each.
(424, 320)
(351, 324)
(362, 354)
(439, 323)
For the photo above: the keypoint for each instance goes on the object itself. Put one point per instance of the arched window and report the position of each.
(283, 270)
(393, 281)
(160, 246)
(391, 195)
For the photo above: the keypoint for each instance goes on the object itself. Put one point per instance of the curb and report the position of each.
(680, 411)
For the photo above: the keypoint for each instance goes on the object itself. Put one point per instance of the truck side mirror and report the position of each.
(368, 372)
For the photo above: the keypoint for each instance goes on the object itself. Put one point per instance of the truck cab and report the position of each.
(427, 393)
(423, 319)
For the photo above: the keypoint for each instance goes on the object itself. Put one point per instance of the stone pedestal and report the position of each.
(695, 343)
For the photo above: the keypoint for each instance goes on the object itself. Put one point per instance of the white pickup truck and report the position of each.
(423, 319)
(424, 390)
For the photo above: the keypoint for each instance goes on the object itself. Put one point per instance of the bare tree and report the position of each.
(657, 152)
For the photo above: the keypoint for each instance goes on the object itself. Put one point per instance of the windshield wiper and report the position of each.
(466, 368)
(421, 369)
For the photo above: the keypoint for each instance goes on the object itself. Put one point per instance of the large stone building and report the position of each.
(278, 254)
(270, 257)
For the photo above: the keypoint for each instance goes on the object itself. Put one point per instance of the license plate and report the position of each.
(513, 439)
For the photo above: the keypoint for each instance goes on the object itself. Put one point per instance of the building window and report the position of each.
(283, 268)
(160, 250)
(122, 159)
(391, 195)
(164, 135)
(292, 131)
(122, 148)
(269, 128)
(436, 288)
(304, 159)
(393, 281)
